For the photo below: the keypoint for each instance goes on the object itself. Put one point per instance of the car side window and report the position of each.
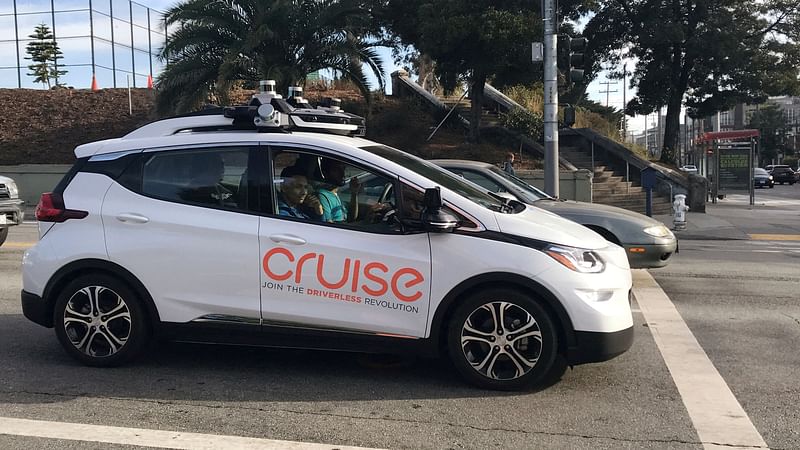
(214, 178)
(327, 190)
(482, 180)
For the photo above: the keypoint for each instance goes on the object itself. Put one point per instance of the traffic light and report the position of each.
(569, 116)
(575, 49)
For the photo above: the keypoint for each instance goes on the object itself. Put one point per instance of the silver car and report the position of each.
(10, 206)
(647, 241)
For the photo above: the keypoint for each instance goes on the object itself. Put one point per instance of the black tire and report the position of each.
(3, 235)
(486, 359)
(771, 186)
(89, 336)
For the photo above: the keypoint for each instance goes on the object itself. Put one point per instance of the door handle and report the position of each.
(287, 238)
(132, 218)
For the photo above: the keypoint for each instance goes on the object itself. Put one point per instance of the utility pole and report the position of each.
(607, 91)
(624, 99)
(550, 98)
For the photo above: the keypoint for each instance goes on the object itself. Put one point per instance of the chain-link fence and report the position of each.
(111, 40)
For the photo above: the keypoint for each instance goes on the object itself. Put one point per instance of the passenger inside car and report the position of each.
(292, 193)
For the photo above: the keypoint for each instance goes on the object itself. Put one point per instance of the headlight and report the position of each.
(658, 231)
(770, 178)
(577, 259)
(12, 189)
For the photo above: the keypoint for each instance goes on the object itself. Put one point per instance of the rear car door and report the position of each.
(180, 220)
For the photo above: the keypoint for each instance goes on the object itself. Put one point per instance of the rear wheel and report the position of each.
(100, 321)
(502, 339)
(3, 235)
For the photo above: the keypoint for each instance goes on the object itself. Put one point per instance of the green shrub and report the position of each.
(524, 122)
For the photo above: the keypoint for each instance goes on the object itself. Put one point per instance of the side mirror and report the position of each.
(434, 217)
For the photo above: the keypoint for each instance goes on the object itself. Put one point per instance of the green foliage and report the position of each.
(524, 122)
(44, 52)
(712, 53)
(219, 43)
(468, 39)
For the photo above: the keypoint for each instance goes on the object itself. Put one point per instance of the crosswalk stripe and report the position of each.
(715, 413)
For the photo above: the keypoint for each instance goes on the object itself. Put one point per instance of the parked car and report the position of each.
(647, 242)
(762, 178)
(10, 207)
(689, 168)
(197, 228)
(783, 174)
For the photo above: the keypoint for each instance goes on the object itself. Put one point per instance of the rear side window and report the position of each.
(215, 178)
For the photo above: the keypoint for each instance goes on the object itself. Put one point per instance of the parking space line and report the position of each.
(775, 237)
(147, 438)
(18, 245)
(715, 413)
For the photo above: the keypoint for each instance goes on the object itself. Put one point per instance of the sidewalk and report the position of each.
(735, 219)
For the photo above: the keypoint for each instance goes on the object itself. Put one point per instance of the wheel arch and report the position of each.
(549, 301)
(605, 232)
(82, 267)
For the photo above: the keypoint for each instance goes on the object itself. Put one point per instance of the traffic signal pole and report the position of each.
(550, 98)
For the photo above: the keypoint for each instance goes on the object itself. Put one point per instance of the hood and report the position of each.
(5, 180)
(582, 211)
(539, 224)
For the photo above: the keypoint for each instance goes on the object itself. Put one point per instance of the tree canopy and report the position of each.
(218, 43)
(471, 40)
(706, 54)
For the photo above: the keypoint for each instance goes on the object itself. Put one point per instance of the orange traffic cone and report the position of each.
(149, 82)
(94, 84)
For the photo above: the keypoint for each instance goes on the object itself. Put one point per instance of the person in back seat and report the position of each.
(205, 183)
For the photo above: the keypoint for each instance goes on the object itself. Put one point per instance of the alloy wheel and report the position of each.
(501, 340)
(97, 321)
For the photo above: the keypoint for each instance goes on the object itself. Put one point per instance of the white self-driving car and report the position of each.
(235, 227)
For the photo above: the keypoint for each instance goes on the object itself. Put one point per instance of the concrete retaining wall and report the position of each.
(34, 179)
(574, 185)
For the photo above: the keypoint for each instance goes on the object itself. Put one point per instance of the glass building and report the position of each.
(116, 40)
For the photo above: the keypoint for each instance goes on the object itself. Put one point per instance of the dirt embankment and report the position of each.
(44, 127)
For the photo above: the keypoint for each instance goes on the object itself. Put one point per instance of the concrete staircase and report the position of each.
(610, 187)
(490, 118)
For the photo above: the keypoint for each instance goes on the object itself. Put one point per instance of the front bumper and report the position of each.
(592, 346)
(11, 212)
(650, 256)
(36, 309)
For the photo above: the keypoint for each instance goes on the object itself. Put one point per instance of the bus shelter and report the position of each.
(731, 156)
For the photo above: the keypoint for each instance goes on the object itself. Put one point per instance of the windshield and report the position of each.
(758, 171)
(532, 191)
(438, 176)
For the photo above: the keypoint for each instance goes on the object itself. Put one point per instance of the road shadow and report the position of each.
(35, 369)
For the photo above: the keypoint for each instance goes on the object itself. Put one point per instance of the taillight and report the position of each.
(51, 209)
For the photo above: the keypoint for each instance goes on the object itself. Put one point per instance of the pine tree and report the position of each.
(44, 53)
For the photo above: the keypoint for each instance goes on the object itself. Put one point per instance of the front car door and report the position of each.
(363, 273)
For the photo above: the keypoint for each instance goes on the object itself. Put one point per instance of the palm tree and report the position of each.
(218, 43)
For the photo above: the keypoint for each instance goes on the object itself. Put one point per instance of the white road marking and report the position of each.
(716, 414)
(148, 438)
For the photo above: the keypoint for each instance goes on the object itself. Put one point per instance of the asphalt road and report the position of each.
(742, 307)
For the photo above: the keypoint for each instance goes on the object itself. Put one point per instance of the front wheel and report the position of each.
(100, 321)
(3, 235)
(502, 339)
